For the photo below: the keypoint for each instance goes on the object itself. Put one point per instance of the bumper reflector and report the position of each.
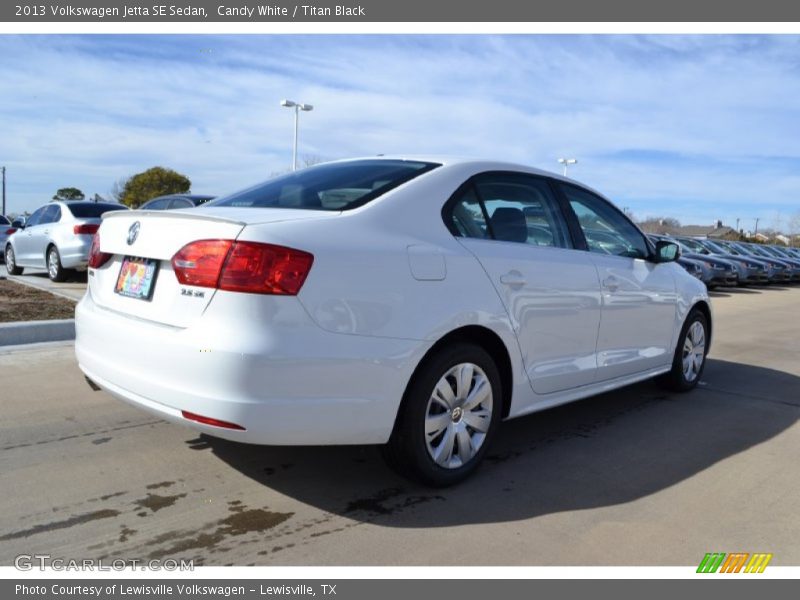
(210, 421)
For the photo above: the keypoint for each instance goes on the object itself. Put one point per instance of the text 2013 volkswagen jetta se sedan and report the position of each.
(412, 303)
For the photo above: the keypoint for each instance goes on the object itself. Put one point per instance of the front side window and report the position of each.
(331, 186)
(35, 217)
(606, 230)
(510, 207)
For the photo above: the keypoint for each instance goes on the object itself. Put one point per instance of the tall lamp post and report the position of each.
(3, 212)
(297, 106)
(566, 162)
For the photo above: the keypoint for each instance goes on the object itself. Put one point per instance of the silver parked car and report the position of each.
(57, 236)
(6, 229)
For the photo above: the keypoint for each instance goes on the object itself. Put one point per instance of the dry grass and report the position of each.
(20, 302)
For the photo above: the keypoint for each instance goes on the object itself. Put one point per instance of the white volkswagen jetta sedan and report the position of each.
(409, 302)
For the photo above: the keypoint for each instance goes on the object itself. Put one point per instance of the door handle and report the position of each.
(513, 279)
(611, 284)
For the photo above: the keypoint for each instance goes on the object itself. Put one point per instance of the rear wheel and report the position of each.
(11, 262)
(448, 417)
(690, 354)
(55, 271)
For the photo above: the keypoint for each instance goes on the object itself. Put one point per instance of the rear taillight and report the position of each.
(209, 421)
(11, 230)
(96, 258)
(85, 229)
(249, 267)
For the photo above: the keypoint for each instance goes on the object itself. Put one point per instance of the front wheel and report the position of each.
(690, 354)
(448, 416)
(11, 262)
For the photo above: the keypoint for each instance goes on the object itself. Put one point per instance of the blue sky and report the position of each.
(694, 127)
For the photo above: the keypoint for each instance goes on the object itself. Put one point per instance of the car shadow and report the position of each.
(72, 276)
(606, 450)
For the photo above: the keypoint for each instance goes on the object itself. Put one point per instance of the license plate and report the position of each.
(137, 278)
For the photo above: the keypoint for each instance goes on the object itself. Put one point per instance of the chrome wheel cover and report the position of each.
(694, 351)
(52, 263)
(458, 415)
(10, 265)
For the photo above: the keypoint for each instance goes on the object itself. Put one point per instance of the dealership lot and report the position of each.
(637, 476)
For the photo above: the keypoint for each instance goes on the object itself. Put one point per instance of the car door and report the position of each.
(40, 235)
(513, 224)
(639, 298)
(23, 241)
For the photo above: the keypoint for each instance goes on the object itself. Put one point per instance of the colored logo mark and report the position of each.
(736, 562)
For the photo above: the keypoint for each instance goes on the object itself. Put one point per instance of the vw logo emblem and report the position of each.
(133, 232)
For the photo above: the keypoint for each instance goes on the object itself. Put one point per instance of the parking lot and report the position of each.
(634, 477)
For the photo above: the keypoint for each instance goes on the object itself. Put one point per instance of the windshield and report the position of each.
(332, 186)
(4, 221)
(693, 245)
(715, 248)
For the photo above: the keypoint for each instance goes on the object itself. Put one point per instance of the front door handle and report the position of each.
(611, 284)
(513, 279)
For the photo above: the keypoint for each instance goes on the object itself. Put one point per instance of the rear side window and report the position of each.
(509, 207)
(92, 210)
(331, 186)
(4, 221)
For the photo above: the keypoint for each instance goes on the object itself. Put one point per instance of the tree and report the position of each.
(156, 181)
(661, 225)
(69, 193)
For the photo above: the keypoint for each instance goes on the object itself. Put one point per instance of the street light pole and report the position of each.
(3, 212)
(297, 106)
(566, 162)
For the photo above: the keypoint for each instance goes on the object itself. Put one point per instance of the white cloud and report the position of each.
(701, 124)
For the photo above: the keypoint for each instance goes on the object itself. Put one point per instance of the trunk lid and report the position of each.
(160, 235)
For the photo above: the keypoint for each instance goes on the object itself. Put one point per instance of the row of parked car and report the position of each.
(729, 263)
(58, 235)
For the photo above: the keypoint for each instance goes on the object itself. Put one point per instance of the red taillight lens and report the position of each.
(200, 263)
(210, 421)
(85, 229)
(11, 230)
(96, 258)
(249, 267)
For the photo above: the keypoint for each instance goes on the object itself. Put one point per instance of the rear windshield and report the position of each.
(4, 221)
(92, 210)
(331, 186)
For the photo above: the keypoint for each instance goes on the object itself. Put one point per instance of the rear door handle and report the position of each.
(513, 279)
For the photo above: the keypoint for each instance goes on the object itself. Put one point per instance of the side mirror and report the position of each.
(667, 252)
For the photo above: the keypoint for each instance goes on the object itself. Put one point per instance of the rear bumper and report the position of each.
(74, 252)
(272, 371)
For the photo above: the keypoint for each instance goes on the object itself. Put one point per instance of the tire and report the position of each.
(459, 434)
(55, 271)
(693, 342)
(11, 262)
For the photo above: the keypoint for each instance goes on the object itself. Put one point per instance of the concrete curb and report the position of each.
(32, 332)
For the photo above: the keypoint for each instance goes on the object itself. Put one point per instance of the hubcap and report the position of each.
(694, 351)
(458, 415)
(10, 259)
(52, 263)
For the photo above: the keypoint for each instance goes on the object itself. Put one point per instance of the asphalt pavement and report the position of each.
(633, 477)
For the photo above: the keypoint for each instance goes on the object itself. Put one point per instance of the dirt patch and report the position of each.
(20, 302)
